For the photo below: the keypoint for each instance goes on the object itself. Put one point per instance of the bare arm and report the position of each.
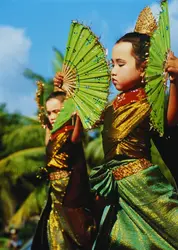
(172, 69)
(78, 129)
(172, 113)
(47, 136)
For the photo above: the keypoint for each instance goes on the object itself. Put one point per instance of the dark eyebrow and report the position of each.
(55, 109)
(118, 60)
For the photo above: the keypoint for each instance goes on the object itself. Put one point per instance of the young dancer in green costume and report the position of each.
(141, 206)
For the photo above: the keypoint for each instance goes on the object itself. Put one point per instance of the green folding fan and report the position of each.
(86, 77)
(155, 75)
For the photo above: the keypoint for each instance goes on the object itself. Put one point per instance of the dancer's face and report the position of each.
(53, 107)
(124, 74)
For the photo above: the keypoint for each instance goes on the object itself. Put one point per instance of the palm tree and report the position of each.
(23, 153)
(56, 65)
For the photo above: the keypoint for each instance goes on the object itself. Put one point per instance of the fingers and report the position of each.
(171, 55)
(172, 66)
(58, 79)
(172, 69)
(75, 113)
(57, 82)
(172, 63)
(58, 74)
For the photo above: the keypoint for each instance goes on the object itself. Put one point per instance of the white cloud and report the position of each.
(15, 90)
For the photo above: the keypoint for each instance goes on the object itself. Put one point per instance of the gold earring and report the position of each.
(142, 75)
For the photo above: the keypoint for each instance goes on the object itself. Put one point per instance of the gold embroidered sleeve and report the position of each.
(59, 160)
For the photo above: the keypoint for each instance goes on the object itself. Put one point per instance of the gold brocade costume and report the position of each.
(66, 222)
(121, 135)
(141, 206)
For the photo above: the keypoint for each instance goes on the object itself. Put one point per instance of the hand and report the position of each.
(75, 117)
(75, 113)
(46, 123)
(172, 66)
(58, 79)
(47, 136)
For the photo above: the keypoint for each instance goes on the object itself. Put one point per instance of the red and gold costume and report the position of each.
(66, 222)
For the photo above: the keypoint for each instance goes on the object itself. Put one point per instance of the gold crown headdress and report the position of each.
(40, 104)
(41, 93)
(146, 23)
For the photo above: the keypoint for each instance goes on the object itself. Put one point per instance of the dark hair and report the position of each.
(140, 45)
(56, 94)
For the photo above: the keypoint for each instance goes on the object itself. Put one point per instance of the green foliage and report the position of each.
(6, 197)
(31, 206)
(23, 137)
(94, 152)
(58, 60)
(56, 64)
(4, 243)
(94, 149)
(28, 73)
(6, 122)
(25, 161)
(22, 153)
(18, 173)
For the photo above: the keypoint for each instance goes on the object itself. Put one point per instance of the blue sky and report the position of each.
(29, 29)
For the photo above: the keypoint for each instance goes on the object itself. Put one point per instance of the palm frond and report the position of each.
(4, 243)
(94, 152)
(58, 60)
(31, 206)
(23, 137)
(29, 120)
(8, 203)
(22, 162)
(28, 73)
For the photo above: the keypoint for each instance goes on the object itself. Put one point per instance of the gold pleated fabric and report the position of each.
(68, 228)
